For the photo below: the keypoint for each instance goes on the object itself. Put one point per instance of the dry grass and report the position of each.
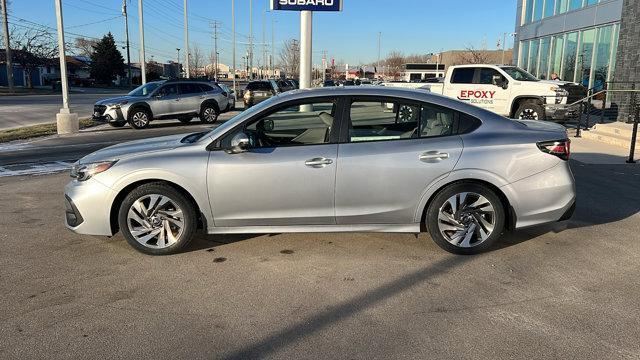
(33, 131)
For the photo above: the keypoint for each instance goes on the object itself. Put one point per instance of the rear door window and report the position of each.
(188, 89)
(463, 76)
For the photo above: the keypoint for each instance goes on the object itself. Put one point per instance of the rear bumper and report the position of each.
(545, 197)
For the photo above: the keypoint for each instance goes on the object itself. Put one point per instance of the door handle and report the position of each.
(318, 162)
(433, 156)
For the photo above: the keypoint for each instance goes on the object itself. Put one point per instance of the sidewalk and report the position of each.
(594, 152)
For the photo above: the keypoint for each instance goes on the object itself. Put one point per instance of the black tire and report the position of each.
(440, 201)
(530, 110)
(139, 118)
(185, 119)
(209, 113)
(189, 219)
(118, 124)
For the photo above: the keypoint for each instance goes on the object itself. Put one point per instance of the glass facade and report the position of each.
(586, 56)
(535, 10)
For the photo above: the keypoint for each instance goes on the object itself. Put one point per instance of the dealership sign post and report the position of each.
(306, 8)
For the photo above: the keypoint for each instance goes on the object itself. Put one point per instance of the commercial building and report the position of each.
(576, 39)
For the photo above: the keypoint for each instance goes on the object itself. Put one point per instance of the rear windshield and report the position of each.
(260, 85)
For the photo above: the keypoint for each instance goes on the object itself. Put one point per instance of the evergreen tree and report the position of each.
(106, 61)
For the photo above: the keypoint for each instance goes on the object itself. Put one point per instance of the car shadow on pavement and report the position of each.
(332, 314)
(204, 241)
(606, 193)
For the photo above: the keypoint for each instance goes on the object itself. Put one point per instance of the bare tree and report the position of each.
(394, 63)
(472, 55)
(290, 58)
(34, 47)
(83, 46)
(196, 61)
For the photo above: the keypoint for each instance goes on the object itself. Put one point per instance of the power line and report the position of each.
(94, 22)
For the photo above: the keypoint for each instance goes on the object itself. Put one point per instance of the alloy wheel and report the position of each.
(529, 114)
(140, 119)
(210, 115)
(155, 221)
(466, 219)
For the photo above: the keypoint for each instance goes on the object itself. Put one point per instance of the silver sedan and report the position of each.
(352, 159)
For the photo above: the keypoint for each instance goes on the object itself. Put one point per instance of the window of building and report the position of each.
(575, 4)
(524, 55)
(561, 6)
(533, 57)
(592, 2)
(585, 56)
(543, 66)
(528, 11)
(537, 10)
(602, 57)
(556, 55)
(570, 54)
(549, 8)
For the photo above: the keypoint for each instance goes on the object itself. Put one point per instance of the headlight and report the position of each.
(118, 104)
(560, 93)
(83, 172)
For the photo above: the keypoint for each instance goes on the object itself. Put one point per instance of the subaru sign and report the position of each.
(309, 5)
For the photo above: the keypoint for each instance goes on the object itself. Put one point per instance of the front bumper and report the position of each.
(88, 207)
(560, 112)
(110, 114)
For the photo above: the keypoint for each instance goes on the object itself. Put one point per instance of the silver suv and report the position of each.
(170, 99)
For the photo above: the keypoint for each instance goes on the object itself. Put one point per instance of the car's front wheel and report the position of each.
(530, 110)
(139, 118)
(465, 218)
(156, 219)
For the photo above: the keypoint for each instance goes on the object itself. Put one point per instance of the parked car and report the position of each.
(509, 91)
(331, 160)
(259, 91)
(285, 85)
(231, 96)
(170, 99)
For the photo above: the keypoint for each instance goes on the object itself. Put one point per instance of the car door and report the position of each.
(492, 91)
(388, 157)
(165, 101)
(286, 176)
(190, 98)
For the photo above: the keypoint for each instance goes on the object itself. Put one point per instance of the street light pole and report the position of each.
(66, 122)
(178, 72)
(250, 59)
(7, 46)
(186, 39)
(143, 61)
(306, 51)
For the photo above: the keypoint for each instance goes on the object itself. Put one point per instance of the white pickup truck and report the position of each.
(508, 91)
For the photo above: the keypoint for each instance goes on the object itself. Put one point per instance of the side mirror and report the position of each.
(224, 94)
(239, 143)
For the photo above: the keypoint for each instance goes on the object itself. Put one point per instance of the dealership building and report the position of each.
(591, 42)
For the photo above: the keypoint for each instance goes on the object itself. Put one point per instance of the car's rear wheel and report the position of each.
(185, 119)
(139, 118)
(465, 218)
(209, 114)
(156, 219)
(530, 110)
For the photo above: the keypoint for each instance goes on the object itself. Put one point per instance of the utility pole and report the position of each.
(186, 38)
(215, 24)
(306, 26)
(273, 47)
(264, 42)
(250, 60)
(379, 42)
(143, 61)
(7, 45)
(324, 65)
(66, 122)
(126, 34)
(233, 30)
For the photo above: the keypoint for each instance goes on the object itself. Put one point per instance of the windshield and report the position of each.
(518, 74)
(144, 90)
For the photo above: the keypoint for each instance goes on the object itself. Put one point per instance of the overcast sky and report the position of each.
(410, 26)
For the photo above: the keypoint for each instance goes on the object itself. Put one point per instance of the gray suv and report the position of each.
(170, 99)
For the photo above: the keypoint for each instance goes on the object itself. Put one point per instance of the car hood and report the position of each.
(134, 148)
(556, 82)
(117, 100)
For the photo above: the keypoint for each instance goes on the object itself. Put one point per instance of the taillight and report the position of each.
(559, 148)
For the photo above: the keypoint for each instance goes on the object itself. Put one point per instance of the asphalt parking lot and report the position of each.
(568, 290)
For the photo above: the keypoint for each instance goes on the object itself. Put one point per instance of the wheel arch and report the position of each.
(119, 198)
(139, 105)
(509, 211)
(515, 104)
(212, 102)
